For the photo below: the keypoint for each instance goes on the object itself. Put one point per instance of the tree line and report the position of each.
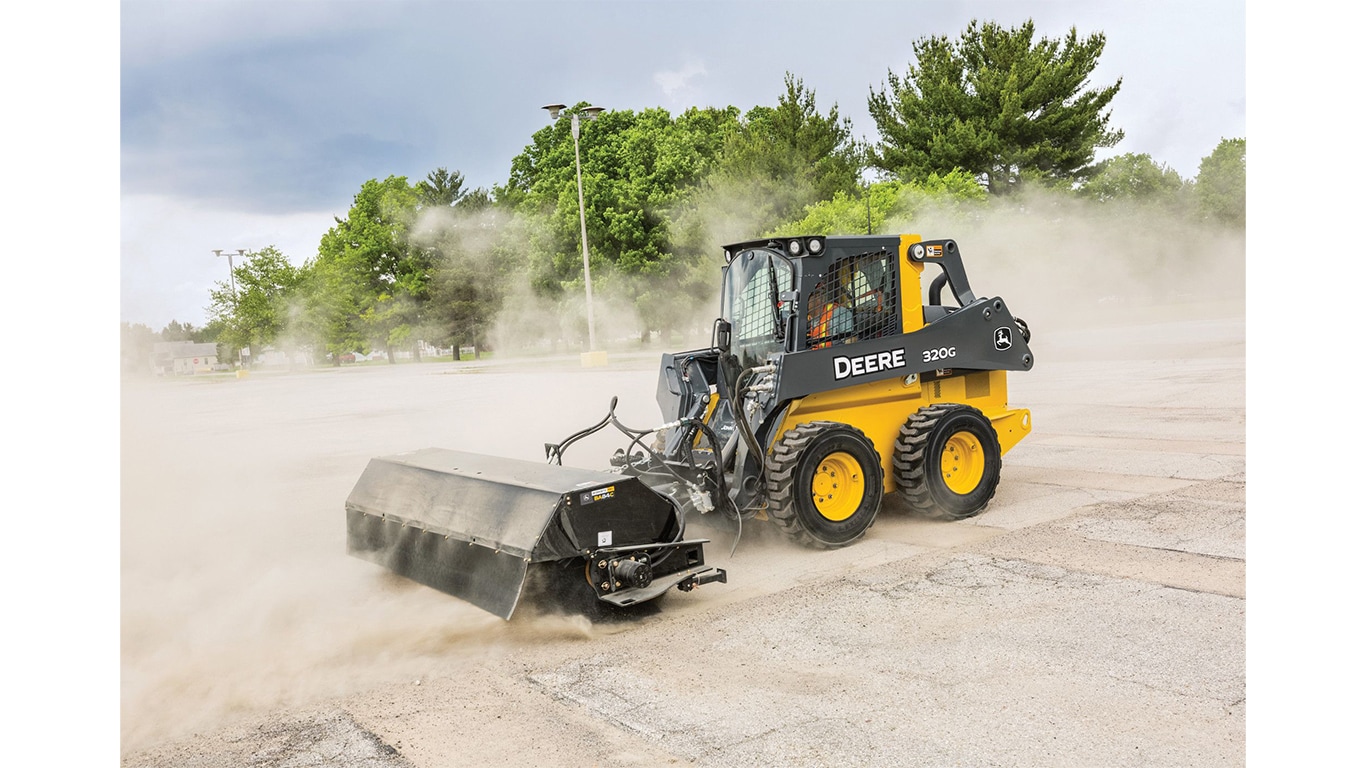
(978, 117)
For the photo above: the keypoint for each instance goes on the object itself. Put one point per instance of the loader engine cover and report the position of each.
(472, 525)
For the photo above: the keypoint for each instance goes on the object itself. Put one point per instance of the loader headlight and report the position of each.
(794, 247)
(815, 245)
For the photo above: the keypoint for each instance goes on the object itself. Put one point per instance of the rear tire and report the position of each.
(948, 461)
(824, 484)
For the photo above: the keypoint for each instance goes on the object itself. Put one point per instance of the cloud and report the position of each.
(153, 32)
(168, 265)
(677, 85)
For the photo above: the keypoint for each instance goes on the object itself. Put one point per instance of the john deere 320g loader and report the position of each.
(834, 378)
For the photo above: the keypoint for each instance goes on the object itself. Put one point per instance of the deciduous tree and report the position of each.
(1134, 178)
(637, 166)
(1221, 184)
(885, 203)
(374, 283)
(258, 312)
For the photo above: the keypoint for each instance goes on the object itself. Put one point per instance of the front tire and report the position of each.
(948, 461)
(824, 484)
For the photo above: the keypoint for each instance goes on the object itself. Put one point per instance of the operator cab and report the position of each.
(796, 294)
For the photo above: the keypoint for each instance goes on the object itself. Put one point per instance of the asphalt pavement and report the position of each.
(1093, 615)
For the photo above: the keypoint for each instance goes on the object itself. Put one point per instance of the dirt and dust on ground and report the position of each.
(1093, 615)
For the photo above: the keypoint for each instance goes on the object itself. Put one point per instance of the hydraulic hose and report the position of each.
(742, 422)
(555, 452)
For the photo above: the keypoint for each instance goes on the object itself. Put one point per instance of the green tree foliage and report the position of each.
(975, 116)
(636, 169)
(771, 163)
(331, 314)
(259, 310)
(467, 290)
(846, 214)
(369, 283)
(998, 104)
(441, 189)
(446, 189)
(1134, 178)
(1221, 184)
(884, 204)
(467, 245)
(474, 201)
(786, 157)
(178, 331)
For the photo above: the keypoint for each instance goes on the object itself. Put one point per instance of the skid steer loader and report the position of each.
(833, 378)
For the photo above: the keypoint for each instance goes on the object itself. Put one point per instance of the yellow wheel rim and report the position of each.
(962, 463)
(837, 487)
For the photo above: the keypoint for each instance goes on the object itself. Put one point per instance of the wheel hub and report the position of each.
(962, 463)
(837, 486)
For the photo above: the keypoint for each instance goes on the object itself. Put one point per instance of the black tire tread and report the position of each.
(908, 461)
(783, 460)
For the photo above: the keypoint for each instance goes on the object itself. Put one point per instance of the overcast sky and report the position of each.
(246, 124)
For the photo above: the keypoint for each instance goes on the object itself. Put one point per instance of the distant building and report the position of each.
(183, 358)
(271, 357)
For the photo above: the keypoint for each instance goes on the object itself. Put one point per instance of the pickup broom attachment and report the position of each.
(473, 526)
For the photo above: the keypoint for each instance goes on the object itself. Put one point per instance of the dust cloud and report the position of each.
(238, 597)
(528, 323)
(1064, 263)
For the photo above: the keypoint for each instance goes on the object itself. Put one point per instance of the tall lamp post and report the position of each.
(587, 113)
(232, 282)
(232, 279)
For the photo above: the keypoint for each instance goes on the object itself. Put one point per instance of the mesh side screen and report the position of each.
(856, 301)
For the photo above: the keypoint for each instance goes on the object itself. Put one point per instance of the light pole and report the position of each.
(232, 282)
(588, 113)
(232, 279)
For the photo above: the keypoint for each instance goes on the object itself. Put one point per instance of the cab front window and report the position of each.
(754, 280)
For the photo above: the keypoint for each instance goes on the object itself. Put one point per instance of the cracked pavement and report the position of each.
(1093, 615)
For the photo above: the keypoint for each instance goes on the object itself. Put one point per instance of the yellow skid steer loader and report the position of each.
(834, 377)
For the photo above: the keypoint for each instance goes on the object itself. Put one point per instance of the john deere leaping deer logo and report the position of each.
(1003, 338)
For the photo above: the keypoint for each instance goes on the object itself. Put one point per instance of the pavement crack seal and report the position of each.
(583, 683)
(1187, 552)
(968, 573)
(646, 707)
(324, 739)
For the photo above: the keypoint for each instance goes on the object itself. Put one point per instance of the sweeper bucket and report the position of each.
(473, 526)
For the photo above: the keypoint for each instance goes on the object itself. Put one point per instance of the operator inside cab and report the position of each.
(849, 304)
(825, 319)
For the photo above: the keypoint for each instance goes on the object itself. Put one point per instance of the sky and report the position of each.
(246, 124)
